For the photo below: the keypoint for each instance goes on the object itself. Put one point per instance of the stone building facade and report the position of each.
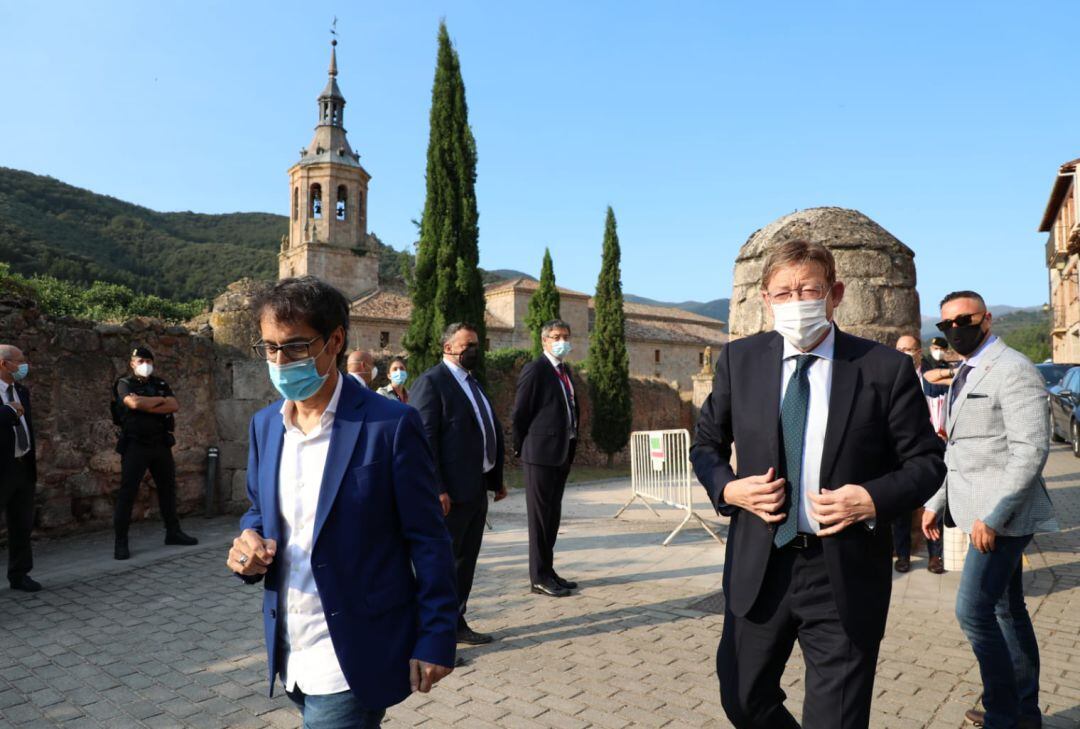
(880, 301)
(663, 343)
(1061, 223)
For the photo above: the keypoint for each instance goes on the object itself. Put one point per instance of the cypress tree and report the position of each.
(609, 363)
(544, 304)
(446, 283)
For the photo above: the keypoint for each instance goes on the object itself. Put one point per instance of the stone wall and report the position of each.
(74, 364)
(880, 302)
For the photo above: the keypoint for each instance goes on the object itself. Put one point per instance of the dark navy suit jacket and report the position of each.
(382, 559)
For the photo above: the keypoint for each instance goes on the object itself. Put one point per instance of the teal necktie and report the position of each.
(793, 431)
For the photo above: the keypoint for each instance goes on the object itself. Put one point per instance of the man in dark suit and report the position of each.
(344, 527)
(545, 421)
(18, 466)
(834, 441)
(468, 443)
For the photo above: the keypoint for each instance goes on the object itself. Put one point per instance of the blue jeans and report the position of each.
(990, 608)
(335, 711)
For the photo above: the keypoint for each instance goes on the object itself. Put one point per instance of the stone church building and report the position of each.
(328, 198)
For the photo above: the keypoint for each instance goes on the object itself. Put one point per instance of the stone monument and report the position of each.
(880, 301)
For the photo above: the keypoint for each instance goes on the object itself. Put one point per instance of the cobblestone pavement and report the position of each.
(170, 640)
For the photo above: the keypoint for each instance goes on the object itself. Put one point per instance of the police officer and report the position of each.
(145, 407)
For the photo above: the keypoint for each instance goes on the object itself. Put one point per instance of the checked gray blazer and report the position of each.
(999, 437)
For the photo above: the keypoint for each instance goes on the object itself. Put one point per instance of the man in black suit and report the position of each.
(18, 467)
(834, 441)
(545, 423)
(468, 444)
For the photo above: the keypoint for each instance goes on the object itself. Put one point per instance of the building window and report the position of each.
(384, 340)
(315, 202)
(342, 197)
(656, 356)
(701, 359)
(296, 203)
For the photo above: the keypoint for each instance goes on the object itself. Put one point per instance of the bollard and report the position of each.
(211, 481)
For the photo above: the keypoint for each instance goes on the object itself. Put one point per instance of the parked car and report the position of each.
(1053, 372)
(1064, 400)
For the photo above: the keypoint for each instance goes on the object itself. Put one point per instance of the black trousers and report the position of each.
(17, 498)
(136, 459)
(466, 525)
(544, 487)
(901, 539)
(795, 603)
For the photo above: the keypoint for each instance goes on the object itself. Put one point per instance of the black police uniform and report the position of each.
(146, 442)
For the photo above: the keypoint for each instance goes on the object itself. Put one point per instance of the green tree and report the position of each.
(543, 305)
(447, 284)
(609, 363)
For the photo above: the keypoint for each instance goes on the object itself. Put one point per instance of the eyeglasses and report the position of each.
(292, 351)
(964, 320)
(807, 293)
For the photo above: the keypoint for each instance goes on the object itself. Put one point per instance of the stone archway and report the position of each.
(881, 302)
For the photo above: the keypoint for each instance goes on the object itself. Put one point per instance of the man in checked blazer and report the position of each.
(998, 439)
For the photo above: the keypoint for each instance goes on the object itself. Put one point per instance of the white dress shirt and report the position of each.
(461, 375)
(556, 363)
(817, 418)
(8, 393)
(310, 661)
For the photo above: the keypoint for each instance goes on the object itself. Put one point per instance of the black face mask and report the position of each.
(470, 357)
(965, 340)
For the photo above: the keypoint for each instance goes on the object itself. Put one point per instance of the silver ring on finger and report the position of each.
(242, 560)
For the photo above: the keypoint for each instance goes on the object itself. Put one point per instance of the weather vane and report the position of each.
(333, 27)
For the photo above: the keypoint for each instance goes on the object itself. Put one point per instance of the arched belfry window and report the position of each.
(315, 202)
(333, 113)
(342, 202)
(296, 203)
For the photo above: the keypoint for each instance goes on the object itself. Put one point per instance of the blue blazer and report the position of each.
(382, 558)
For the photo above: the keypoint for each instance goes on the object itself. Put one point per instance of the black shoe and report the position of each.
(468, 636)
(937, 565)
(568, 584)
(120, 549)
(903, 564)
(178, 537)
(551, 589)
(25, 583)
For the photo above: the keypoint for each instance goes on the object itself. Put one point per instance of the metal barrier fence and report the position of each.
(660, 472)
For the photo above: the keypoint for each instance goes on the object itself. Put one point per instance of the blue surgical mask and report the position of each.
(398, 377)
(297, 380)
(22, 371)
(560, 348)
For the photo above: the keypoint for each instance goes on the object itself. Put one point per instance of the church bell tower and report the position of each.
(328, 205)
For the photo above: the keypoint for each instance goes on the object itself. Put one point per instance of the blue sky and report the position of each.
(698, 122)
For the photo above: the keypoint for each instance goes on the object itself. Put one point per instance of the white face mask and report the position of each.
(802, 323)
(937, 354)
(144, 370)
(374, 372)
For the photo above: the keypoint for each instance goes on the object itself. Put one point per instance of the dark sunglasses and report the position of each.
(964, 320)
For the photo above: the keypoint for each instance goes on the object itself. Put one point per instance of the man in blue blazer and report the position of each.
(345, 528)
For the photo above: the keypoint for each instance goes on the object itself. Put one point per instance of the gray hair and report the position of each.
(550, 326)
(454, 328)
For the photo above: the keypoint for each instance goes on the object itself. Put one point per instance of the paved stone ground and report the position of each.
(170, 640)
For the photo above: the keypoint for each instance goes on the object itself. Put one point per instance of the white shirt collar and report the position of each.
(972, 360)
(288, 410)
(825, 350)
(555, 361)
(460, 373)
